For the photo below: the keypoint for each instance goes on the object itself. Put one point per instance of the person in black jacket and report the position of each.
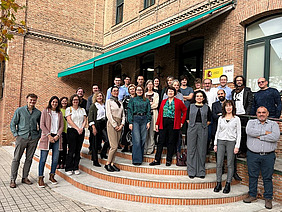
(243, 99)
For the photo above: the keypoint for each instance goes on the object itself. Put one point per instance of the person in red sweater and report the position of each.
(172, 115)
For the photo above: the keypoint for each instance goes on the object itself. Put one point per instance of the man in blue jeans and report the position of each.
(25, 128)
(262, 137)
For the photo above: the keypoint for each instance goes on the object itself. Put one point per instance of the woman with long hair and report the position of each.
(154, 101)
(52, 126)
(76, 118)
(115, 123)
(171, 117)
(62, 156)
(125, 101)
(198, 119)
(139, 118)
(227, 140)
(97, 126)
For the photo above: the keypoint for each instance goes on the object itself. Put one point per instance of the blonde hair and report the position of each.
(94, 98)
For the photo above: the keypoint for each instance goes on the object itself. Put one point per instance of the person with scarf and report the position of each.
(116, 120)
(243, 99)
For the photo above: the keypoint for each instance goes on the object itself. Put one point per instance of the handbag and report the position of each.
(181, 158)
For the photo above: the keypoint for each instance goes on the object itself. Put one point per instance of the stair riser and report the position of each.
(139, 169)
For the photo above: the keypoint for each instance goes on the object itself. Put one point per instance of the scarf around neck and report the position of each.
(115, 99)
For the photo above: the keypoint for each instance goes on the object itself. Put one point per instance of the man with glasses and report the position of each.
(210, 92)
(267, 97)
(223, 86)
(122, 91)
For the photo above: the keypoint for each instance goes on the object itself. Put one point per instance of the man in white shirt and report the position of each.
(210, 92)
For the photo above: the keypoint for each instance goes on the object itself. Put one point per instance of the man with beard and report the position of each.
(263, 135)
(243, 99)
(83, 102)
(216, 113)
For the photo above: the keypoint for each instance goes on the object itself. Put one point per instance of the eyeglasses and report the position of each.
(139, 90)
(261, 82)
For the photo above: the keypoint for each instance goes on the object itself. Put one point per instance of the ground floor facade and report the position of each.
(246, 37)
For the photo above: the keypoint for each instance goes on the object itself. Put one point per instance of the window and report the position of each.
(2, 77)
(263, 52)
(147, 66)
(148, 3)
(119, 15)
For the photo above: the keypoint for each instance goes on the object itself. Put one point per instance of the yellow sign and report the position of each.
(213, 73)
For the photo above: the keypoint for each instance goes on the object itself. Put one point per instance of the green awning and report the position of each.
(136, 47)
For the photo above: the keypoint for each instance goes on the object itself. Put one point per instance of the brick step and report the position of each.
(101, 187)
(150, 180)
(126, 165)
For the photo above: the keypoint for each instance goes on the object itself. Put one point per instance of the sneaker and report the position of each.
(268, 203)
(69, 173)
(76, 172)
(249, 199)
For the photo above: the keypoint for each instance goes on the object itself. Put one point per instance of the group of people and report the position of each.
(138, 117)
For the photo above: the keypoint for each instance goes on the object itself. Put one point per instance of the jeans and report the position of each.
(139, 134)
(260, 163)
(43, 157)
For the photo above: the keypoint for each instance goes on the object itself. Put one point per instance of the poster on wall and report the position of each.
(215, 73)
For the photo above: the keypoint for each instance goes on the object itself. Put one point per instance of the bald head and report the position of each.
(262, 114)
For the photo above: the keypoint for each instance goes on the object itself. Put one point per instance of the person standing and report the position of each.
(122, 91)
(97, 126)
(63, 152)
(198, 119)
(267, 97)
(52, 126)
(262, 137)
(179, 95)
(186, 91)
(76, 118)
(126, 80)
(243, 98)
(154, 102)
(82, 102)
(25, 126)
(95, 89)
(171, 117)
(139, 119)
(124, 139)
(115, 123)
(223, 86)
(140, 80)
(169, 81)
(210, 92)
(197, 84)
(227, 140)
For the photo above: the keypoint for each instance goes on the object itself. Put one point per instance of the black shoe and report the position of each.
(137, 164)
(218, 187)
(237, 177)
(104, 156)
(226, 189)
(125, 149)
(116, 169)
(154, 163)
(168, 163)
(191, 177)
(109, 168)
(202, 177)
(96, 163)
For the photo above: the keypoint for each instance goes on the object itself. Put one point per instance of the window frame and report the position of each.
(267, 47)
(119, 11)
(148, 3)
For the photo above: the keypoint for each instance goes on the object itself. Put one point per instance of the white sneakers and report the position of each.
(76, 172)
(69, 173)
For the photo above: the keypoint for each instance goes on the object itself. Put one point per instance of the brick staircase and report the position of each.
(145, 184)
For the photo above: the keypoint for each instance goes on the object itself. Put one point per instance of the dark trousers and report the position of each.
(243, 144)
(96, 140)
(75, 142)
(63, 153)
(124, 133)
(29, 146)
(167, 135)
(260, 163)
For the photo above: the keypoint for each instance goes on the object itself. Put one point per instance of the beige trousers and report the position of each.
(114, 138)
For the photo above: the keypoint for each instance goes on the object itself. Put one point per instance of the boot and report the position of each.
(226, 189)
(235, 175)
(41, 183)
(218, 187)
(52, 179)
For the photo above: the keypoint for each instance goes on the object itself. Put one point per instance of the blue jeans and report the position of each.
(43, 157)
(265, 164)
(139, 134)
